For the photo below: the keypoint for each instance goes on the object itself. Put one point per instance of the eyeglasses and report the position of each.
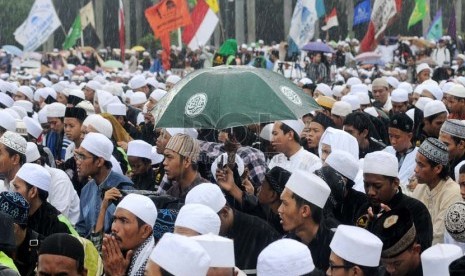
(81, 157)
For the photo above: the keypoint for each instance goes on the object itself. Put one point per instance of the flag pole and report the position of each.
(82, 38)
(179, 38)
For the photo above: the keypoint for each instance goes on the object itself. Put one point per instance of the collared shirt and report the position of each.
(179, 192)
(438, 200)
(301, 160)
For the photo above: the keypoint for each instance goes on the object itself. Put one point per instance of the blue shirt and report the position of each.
(91, 200)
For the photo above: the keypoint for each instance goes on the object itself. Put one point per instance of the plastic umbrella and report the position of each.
(138, 48)
(318, 47)
(113, 64)
(13, 50)
(227, 96)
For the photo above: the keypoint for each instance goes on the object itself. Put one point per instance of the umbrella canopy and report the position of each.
(318, 47)
(113, 64)
(30, 63)
(138, 48)
(228, 96)
(369, 58)
(13, 50)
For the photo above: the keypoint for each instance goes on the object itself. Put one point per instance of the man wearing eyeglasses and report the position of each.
(455, 101)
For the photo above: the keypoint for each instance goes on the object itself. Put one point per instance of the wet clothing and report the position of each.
(45, 221)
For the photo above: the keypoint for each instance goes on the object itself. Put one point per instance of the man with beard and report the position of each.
(383, 191)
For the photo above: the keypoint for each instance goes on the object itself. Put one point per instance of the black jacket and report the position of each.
(45, 221)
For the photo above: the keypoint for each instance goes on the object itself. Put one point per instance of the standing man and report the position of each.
(436, 190)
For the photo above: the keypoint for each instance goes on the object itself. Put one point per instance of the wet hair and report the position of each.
(317, 212)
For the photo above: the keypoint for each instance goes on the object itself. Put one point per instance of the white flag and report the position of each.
(383, 12)
(87, 15)
(41, 22)
(303, 22)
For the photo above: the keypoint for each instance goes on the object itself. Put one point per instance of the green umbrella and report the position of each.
(113, 64)
(227, 96)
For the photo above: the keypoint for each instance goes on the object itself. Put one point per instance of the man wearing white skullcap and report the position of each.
(384, 193)
(436, 259)
(339, 112)
(196, 219)
(171, 81)
(285, 139)
(455, 101)
(140, 159)
(90, 88)
(355, 250)
(285, 257)
(7, 122)
(33, 182)
(423, 72)
(93, 159)
(12, 157)
(139, 83)
(178, 255)
(399, 101)
(336, 139)
(56, 140)
(120, 112)
(434, 115)
(380, 90)
(132, 233)
(301, 213)
(24, 93)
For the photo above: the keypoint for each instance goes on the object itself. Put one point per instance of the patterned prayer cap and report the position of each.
(14, 205)
(434, 150)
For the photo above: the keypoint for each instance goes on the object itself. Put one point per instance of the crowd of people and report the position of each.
(372, 183)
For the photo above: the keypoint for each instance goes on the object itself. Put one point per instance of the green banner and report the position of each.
(73, 34)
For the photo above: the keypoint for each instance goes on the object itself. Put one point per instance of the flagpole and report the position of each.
(179, 38)
(82, 38)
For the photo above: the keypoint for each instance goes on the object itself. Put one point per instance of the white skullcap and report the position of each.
(411, 114)
(434, 107)
(305, 81)
(181, 256)
(87, 106)
(353, 100)
(418, 89)
(138, 98)
(137, 82)
(6, 100)
(399, 95)
(371, 111)
(56, 110)
(141, 206)
(33, 127)
(285, 257)
(100, 124)
(325, 89)
(296, 125)
(114, 88)
(44, 93)
(152, 81)
(373, 160)
(353, 80)
(266, 132)
(199, 218)
(139, 148)
(220, 250)
(20, 110)
(406, 86)
(309, 187)
(36, 175)
(103, 98)
(156, 157)
(447, 86)
(32, 152)
(27, 105)
(394, 82)
(45, 82)
(436, 259)
(423, 66)
(339, 139)
(457, 91)
(421, 102)
(460, 80)
(7, 121)
(364, 99)
(14, 141)
(351, 243)
(98, 144)
(94, 85)
(14, 114)
(116, 109)
(27, 91)
(173, 79)
(21, 128)
(157, 94)
(359, 89)
(77, 93)
(337, 90)
(343, 162)
(341, 108)
(192, 132)
(434, 89)
(207, 194)
(162, 86)
(60, 87)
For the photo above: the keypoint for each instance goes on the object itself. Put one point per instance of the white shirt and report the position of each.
(301, 160)
(407, 169)
(62, 194)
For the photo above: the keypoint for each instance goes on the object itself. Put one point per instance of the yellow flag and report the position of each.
(213, 4)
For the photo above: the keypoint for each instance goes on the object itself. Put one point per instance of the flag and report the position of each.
(331, 20)
(382, 16)
(435, 30)
(41, 22)
(362, 12)
(121, 30)
(168, 15)
(73, 34)
(213, 4)
(452, 29)
(419, 12)
(204, 21)
(320, 8)
(303, 22)
(90, 36)
(87, 15)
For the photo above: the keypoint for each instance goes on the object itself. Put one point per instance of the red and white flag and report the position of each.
(204, 21)
(122, 38)
(382, 16)
(331, 20)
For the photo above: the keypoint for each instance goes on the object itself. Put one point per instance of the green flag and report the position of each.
(73, 34)
(419, 12)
